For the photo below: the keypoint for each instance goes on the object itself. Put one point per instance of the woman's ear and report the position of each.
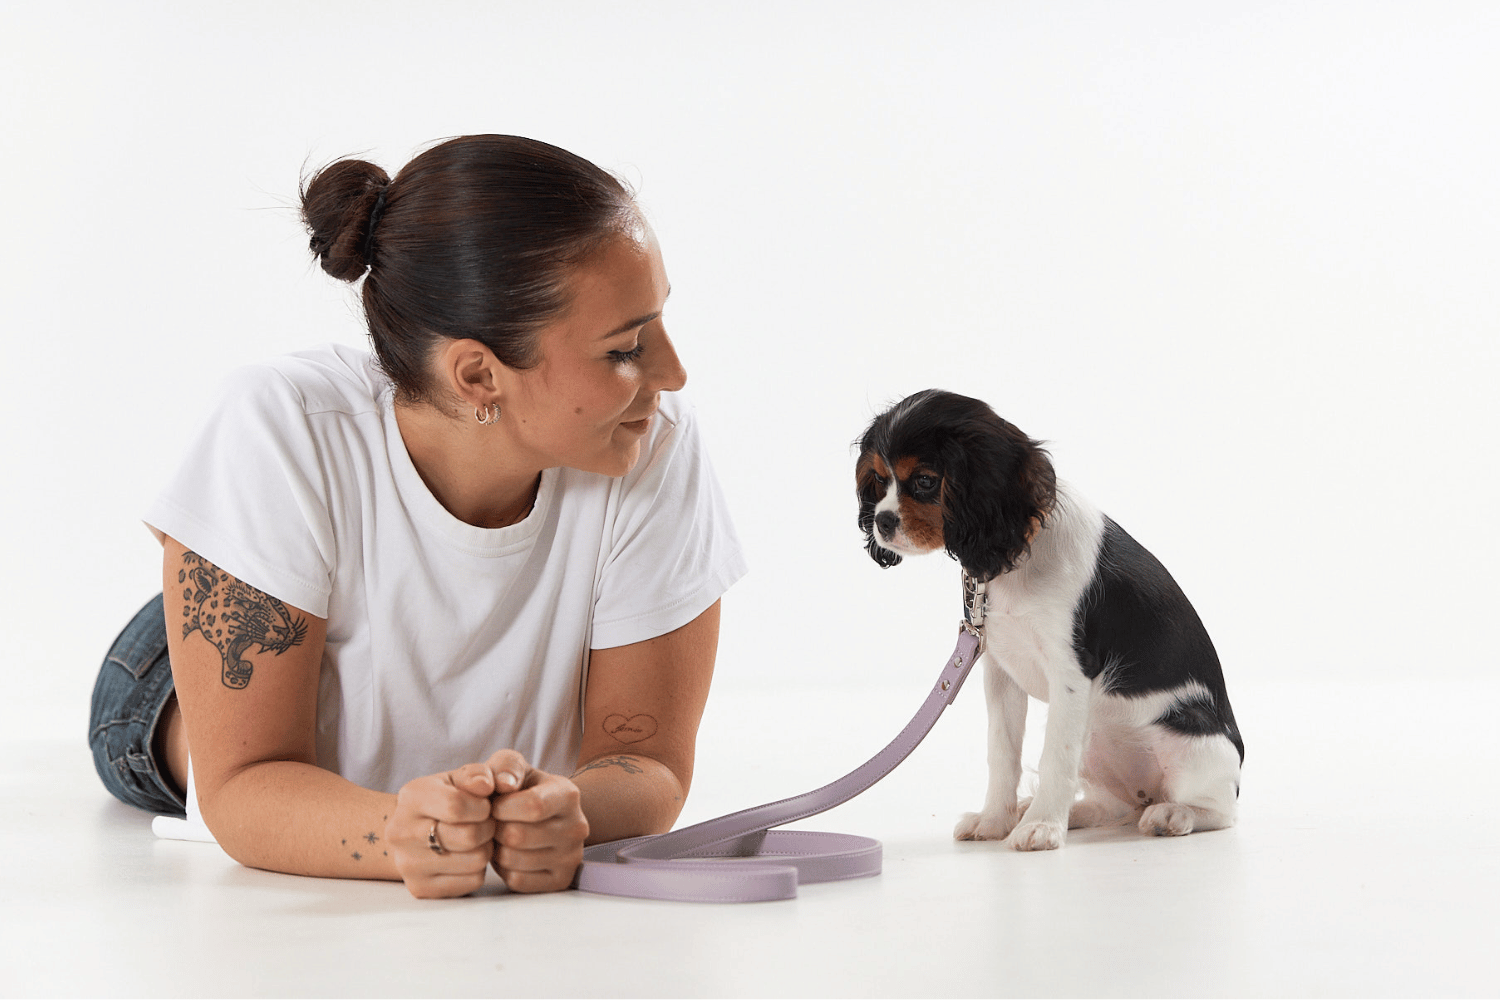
(469, 371)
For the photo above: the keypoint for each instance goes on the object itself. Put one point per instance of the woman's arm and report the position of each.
(246, 669)
(641, 713)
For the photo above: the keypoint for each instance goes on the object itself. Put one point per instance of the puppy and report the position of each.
(1080, 616)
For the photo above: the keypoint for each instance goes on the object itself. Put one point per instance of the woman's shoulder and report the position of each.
(333, 378)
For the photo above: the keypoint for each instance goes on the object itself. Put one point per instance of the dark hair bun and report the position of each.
(337, 205)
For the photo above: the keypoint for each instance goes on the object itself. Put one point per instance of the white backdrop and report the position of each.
(1237, 262)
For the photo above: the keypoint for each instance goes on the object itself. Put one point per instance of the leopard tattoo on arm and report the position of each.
(234, 616)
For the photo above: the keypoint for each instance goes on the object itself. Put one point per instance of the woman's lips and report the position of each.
(639, 426)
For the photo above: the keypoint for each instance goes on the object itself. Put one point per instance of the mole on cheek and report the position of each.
(577, 410)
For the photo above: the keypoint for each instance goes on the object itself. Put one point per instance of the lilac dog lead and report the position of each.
(739, 858)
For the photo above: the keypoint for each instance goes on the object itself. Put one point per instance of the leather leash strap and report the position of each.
(739, 858)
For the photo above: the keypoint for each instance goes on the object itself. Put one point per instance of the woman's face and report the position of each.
(604, 363)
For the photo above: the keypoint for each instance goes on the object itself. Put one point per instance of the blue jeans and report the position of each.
(134, 685)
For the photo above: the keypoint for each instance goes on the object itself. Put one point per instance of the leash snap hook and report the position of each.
(976, 604)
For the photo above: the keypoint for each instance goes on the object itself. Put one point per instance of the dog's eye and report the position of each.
(924, 484)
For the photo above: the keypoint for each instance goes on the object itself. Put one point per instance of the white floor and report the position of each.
(1366, 863)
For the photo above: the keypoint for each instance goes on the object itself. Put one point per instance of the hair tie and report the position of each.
(375, 214)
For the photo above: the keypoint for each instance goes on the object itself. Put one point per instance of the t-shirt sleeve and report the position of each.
(249, 495)
(673, 548)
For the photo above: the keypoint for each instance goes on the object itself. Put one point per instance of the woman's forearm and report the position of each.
(628, 795)
(297, 818)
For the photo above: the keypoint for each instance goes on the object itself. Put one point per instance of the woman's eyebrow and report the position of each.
(639, 321)
(629, 325)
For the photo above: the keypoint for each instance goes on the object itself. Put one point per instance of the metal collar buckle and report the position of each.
(976, 604)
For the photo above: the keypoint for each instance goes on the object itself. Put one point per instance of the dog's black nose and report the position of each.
(887, 521)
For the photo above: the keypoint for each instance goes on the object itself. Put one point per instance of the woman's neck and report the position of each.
(465, 468)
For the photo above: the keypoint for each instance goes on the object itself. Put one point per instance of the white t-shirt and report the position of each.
(446, 642)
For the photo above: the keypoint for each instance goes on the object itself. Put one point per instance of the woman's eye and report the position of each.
(634, 354)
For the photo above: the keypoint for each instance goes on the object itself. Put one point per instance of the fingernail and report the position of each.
(515, 779)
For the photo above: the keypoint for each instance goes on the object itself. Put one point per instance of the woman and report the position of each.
(455, 605)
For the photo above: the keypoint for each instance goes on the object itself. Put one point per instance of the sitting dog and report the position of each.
(1080, 616)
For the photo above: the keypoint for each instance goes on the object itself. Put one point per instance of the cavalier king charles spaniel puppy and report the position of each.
(1080, 616)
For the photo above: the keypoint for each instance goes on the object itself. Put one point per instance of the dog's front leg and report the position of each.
(1005, 704)
(1044, 827)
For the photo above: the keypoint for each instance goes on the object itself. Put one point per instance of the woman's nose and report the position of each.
(667, 374)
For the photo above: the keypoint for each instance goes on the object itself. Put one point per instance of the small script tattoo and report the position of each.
(630, 729)
(234, 616)
(628, 764)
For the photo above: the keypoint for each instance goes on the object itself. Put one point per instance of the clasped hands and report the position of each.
(527, 823)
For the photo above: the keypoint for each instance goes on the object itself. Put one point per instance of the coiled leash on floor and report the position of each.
(739, 858)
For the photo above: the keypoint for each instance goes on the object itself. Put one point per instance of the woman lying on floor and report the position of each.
(456, 604)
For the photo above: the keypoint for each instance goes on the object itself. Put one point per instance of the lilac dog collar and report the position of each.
(739, 858)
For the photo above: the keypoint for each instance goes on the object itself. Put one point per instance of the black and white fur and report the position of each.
(1080, 616)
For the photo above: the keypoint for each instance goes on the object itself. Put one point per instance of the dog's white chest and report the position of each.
(1020, 651)
(1029, 633)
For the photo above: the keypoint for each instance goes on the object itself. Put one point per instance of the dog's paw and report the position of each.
(1167, 819)
(1043, 836)
(984, 826)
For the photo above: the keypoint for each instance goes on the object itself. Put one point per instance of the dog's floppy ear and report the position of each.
(998, 488)
(869, 496)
